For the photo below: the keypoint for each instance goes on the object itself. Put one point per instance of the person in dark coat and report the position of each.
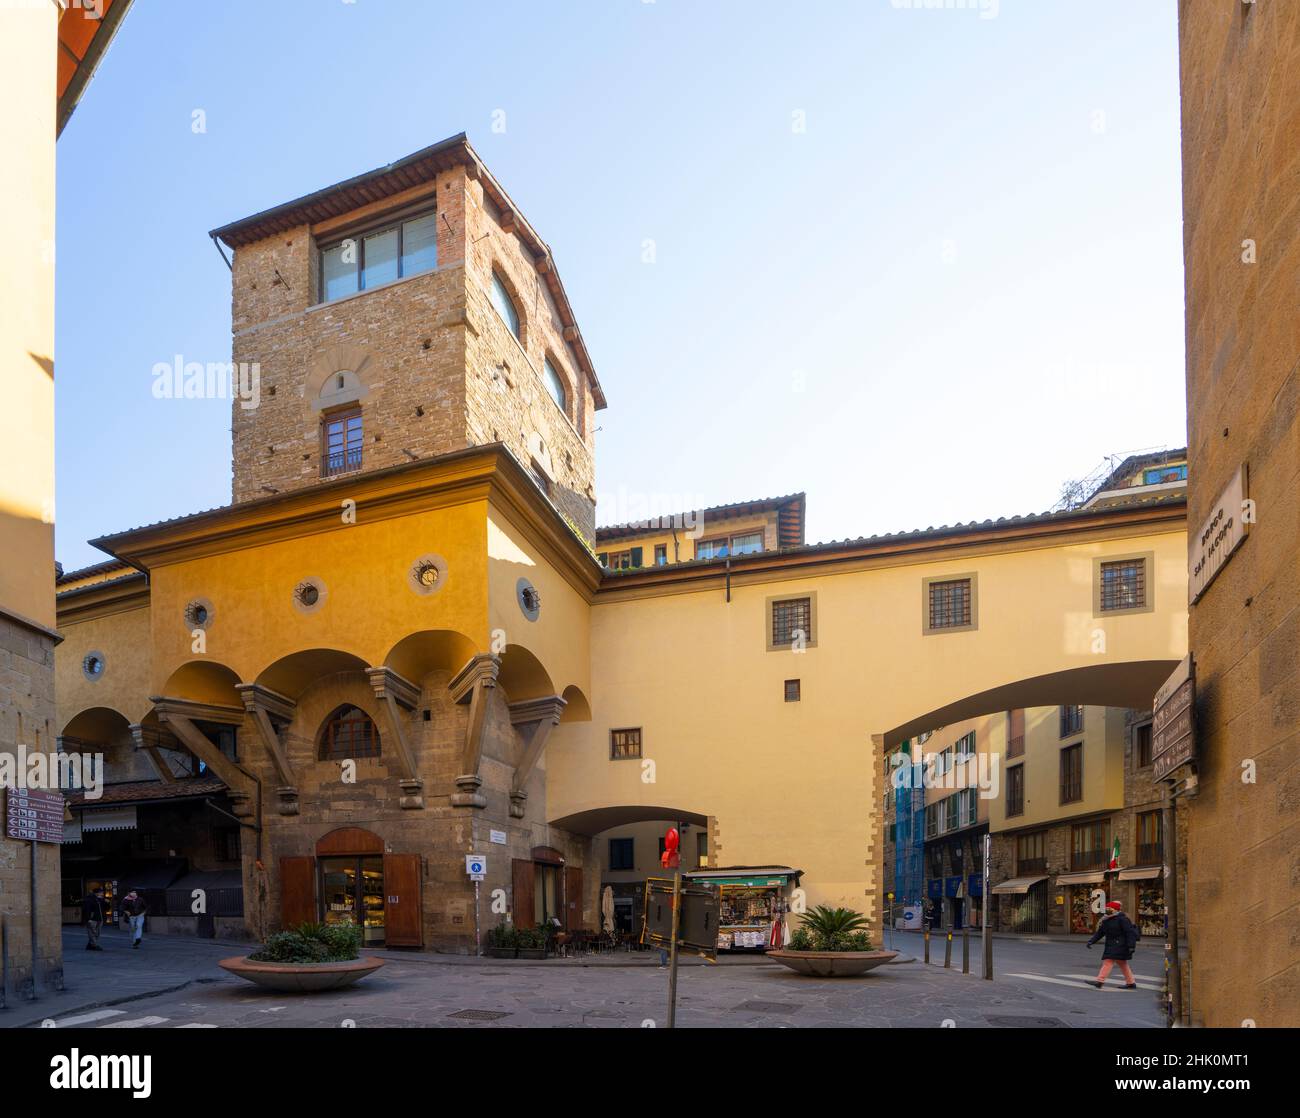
(1121, 936)
(135, 909)
(92, 915)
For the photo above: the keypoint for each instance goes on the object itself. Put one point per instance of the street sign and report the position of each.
(1173, 731)
(1221, 533)
(476, 866)
(34, 815)
(498, 837)
(697, 926)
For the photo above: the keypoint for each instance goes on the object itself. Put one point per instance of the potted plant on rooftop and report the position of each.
(831, 943)
(306, 959)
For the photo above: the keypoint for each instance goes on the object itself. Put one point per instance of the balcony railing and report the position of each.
(1150, 853)
(1089, 859)
(1031, 865)
(1016, 746)
(340, 462)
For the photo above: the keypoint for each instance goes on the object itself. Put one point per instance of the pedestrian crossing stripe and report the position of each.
(135, 1023)
(1076, 980)
(87, 1018)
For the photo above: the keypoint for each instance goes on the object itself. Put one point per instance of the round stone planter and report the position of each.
(301, 978)
(831, 964)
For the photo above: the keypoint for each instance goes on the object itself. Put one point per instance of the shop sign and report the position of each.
(34, 815)
(1173, 737)
(1221, 533)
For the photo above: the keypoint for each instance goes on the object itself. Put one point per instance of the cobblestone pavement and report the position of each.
(112, 990)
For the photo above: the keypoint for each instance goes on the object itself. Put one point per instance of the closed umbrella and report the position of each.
(607, 908)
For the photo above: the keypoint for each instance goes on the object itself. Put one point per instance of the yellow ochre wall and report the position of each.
(798, 783)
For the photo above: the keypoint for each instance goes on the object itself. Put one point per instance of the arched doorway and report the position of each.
(353, 879)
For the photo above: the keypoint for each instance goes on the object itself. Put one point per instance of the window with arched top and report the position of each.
(347, 733)
(555, 385)
(504, 304)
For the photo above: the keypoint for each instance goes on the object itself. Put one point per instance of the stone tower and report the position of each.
(407, 313)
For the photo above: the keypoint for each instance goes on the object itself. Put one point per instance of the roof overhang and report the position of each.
(85, 32)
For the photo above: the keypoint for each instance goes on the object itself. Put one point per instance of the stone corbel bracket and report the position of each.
(473, 685)
(533, 719)
(271, 712)
(150, 749)
(393, 692)
(179, 716)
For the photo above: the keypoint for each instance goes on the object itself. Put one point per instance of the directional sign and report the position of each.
(476, 866)
(1173, 736)
(34, 815)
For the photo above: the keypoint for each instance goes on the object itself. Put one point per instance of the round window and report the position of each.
(92, 665)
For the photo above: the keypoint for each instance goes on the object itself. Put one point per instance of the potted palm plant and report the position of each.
(831, 943)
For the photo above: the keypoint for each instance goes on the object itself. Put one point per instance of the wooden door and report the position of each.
(403, 913)
(523, 874)
(572, 898)
(298, 891)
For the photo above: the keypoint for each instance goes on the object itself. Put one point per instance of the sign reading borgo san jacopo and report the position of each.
(1222, 532)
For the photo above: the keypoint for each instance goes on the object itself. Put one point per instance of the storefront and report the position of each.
(1080, 914)
(753, 905)
(1022, 904)
(1146, 902)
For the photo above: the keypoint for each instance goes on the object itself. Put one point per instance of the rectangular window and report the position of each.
(1088, 849)
(711, 549)
(702, 847)
(1015, 733)
(1143, 736)
(747, 544)
(1031, 853)
(621, 854)
(970, 807)
(360, 263)
(1072, 774)
(792, 691)
(1124, 584)
(661, 554)
(341, 438)
(624, 745)
(624, 560)
(952, 813)
(931, 820)
(950, 604)
(1150, 848)
(791, 621)
(1071, 721)
(965, 747)
(1161, 475)
(1016, 790)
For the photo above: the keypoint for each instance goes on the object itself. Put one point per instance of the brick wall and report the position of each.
(1240, 78)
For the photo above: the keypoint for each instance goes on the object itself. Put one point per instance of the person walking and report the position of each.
(135, 908)
(1121, 936)
(92, 915)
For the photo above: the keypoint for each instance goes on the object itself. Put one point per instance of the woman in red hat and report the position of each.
(1121, 936)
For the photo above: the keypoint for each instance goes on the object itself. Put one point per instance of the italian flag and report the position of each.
(1114, 855)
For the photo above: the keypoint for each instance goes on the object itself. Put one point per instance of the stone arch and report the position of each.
(523, 676)
(596, 819)
(343, 712)
(204, 681)
(416, 655)
(352, 362)
(576, 708)
(291, 675)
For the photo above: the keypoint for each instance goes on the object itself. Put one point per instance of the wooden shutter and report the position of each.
(523, 873)
(636, 557)
(298, 891)
(403, 913)
(572, 898)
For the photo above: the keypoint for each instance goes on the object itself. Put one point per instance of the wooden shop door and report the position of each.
(572, 898)
(403, 912)
(298, 891)
(522, 874)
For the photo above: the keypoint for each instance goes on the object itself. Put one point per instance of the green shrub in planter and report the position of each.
(831, 929)
(503, 937)
(311, 943)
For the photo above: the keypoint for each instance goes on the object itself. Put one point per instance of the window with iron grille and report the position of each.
(1124, 584)
(341, 439)
(1088, 847)
(1031, 852)
(1150, 848)
(347, 733)
(791, 621)
(1016, 790)
(792, 691)
(624, 745)
(1071, 721)
(621, 854)
(950, 604)
(1072, 774)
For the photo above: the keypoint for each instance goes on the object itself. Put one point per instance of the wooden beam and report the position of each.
(173, 714)
(374, 209)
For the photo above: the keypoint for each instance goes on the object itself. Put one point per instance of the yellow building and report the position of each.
(48, 53)
(397, 646)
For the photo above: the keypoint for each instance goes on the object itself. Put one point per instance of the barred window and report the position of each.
(341, 442)
(950, 604)
(1124, 584)
(625, 745)
(792, 691)
(792, 620)
(348, 732)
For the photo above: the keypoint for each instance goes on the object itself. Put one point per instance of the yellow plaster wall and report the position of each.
(124, 640)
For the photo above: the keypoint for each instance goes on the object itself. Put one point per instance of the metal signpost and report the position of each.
(33, 815)
(476, 867)
(985, 937)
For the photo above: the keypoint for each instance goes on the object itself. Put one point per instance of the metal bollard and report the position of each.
(927, 943)
(965, 949)
(947, 950)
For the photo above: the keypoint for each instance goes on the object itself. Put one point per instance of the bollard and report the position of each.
(965, 949)
(927, 943)
(947, 950)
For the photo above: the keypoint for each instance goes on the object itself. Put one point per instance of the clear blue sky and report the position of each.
(957, 286)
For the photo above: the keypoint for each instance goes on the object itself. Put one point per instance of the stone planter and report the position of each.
(532, 953)
(301, 978)
(502, 952)
(831, 964)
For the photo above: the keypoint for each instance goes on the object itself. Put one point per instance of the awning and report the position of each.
(1141, 873)
(1018, 884)
(1095, 878)
(108, 819)
(753, 876)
